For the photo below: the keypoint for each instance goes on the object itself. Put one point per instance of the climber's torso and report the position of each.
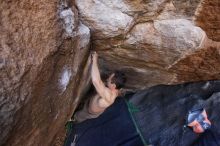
(93, 107)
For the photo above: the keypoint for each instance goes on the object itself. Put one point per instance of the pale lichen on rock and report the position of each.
(65, 78)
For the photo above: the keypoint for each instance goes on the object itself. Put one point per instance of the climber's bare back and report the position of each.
(105, 97)
(97, 104)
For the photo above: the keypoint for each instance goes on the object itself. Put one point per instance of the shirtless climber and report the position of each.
(200, 124)
(106, 94)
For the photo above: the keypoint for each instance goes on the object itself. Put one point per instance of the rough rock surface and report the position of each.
(107, 22)
(44, 46)
(208, 18)
(43, 50)
(163, 35)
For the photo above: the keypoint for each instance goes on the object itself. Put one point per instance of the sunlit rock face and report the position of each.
(43, 50)
(158, 41)
(103, 20)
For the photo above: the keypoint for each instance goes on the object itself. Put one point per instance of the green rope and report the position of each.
(68, 127)
(132, 109)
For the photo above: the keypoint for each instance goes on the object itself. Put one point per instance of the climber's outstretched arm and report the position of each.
(103, 91)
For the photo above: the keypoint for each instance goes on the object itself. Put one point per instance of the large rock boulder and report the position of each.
(106, 22)
(154, 44)
(45, 45)
(43, 50)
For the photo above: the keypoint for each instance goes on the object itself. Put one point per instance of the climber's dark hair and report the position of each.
(119, 79)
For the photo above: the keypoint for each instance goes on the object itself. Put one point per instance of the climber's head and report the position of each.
(116, 80)
(198, 120)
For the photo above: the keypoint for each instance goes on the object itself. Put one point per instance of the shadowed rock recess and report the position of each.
(44, 46)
